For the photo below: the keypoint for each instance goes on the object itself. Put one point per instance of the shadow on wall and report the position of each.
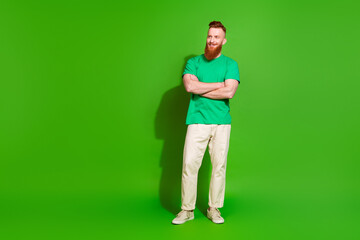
(170, 126)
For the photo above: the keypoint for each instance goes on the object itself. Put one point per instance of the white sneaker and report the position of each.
(214, 215)
(183, 216)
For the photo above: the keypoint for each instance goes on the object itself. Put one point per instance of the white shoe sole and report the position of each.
(217, 222)
(181, 222)
(214, 221)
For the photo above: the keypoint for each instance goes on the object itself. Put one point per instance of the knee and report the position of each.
(190, 168)
(220, 168)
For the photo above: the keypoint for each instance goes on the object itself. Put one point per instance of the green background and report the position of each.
(93, 110)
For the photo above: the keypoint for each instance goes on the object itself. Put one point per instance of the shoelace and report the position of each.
(180, 213)
(218, 215)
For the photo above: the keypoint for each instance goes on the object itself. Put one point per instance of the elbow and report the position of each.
(231, 95)
(188, 88)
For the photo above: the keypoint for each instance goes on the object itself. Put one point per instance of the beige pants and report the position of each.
(198, 137)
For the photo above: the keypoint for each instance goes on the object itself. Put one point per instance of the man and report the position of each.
(212, 78)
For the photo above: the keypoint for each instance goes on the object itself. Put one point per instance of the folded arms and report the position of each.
(219, 90)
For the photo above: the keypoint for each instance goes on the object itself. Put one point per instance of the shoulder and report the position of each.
(196, 59)
(230, 61)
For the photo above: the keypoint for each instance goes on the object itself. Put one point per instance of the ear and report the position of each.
(224, 41)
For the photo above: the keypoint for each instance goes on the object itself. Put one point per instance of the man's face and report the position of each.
(214, 42)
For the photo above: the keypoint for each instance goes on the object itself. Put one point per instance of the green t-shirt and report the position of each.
(205, 110)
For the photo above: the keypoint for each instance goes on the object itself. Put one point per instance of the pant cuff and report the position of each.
(216, 206)
(187, 208)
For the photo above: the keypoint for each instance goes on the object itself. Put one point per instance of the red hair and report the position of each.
(217, 24)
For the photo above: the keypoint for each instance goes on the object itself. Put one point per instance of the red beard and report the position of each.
(211, 53)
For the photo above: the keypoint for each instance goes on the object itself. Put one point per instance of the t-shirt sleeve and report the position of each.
(233, 71)
(190, 67)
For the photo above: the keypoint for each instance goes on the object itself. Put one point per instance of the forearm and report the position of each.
(193, 85)
(221, 93)
(203, 88)
(226, 92)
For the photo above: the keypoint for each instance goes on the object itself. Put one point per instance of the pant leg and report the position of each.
(196, 141)
(218, 149)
